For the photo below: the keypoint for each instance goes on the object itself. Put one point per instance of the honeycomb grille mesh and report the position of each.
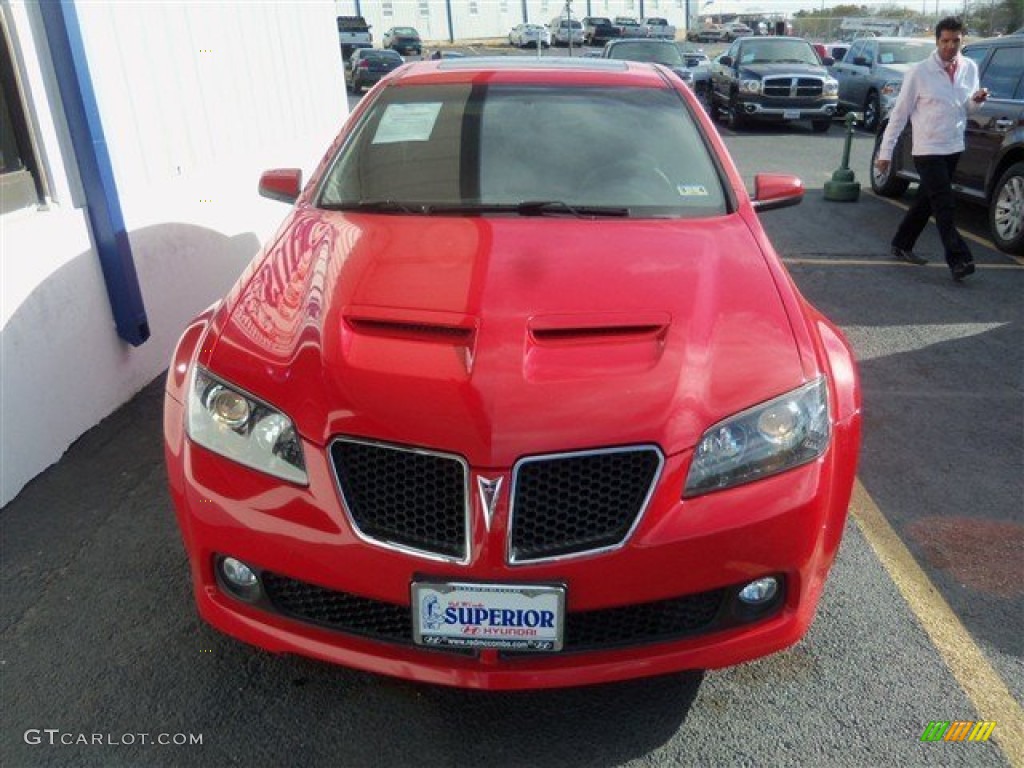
(571, 504)
(403, 496)
(623, 626)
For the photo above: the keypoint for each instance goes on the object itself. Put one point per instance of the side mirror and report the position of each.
(828, 61)
(282, 184)
(725, 61)
(776, 190)
(861, 61)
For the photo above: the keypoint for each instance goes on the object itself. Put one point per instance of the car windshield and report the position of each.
(526, 150)
(782, 51)
(903, 53)
(658, 53)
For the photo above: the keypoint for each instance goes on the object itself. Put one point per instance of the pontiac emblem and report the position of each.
(489, 491)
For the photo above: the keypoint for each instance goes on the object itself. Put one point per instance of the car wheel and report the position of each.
(1006, 211)
(886, 184)
(821, 126)
(736, 118)
(872, 112)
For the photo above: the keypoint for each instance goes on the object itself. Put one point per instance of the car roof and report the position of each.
(526, 70)
(1014, 40)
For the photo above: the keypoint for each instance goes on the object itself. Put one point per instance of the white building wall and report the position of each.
(196, 99)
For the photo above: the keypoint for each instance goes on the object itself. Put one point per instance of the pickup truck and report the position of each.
(598, 30)
(775, 79)
(628, 26)
(353, 29)
(658, 28)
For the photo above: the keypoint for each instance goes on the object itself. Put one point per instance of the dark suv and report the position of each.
(773, 78)
(991, 169)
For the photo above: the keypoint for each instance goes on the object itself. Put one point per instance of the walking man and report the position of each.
(936, 96)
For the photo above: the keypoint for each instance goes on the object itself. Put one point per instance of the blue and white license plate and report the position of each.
(509, 617)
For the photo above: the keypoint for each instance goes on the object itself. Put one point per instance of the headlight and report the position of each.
(830, 87)
(765, 440)
(750, 86)
(236, 425)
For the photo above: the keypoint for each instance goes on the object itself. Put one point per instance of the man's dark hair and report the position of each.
(951, 24)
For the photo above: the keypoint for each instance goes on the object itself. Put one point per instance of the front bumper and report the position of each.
(797, 112)
(698, 550)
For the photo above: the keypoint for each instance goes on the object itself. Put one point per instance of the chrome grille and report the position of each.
(793, 87)
(405, 497)
(571, 504)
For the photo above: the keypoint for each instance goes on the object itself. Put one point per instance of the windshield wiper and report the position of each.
(373, 206)
(533, 208)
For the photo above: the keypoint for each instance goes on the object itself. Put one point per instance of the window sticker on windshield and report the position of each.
(692, 190)
(407, 122)
(885, 58)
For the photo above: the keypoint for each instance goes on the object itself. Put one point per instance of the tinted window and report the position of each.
(658, 53)
(381, 56)
(505, 144)
(1003, 72)
(795, 51)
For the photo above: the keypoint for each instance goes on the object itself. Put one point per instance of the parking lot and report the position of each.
(921, 621)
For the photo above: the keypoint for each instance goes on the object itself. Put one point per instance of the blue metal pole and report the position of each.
(451, 29)
(526, 13)
(102, 203)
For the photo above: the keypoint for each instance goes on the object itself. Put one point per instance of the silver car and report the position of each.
(871, 74)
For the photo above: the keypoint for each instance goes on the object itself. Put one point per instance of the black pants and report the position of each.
(935, 196)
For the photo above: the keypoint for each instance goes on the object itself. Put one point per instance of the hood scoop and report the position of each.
(613, 328)
(563, 347)
(411, 325)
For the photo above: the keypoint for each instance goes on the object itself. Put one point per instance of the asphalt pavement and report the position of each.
(103, 655)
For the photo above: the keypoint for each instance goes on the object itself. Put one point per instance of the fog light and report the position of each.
(237, 573)
(759, 592)
(239, 579)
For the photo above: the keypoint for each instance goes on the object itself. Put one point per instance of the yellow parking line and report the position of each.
(974, 238)
(983, 686)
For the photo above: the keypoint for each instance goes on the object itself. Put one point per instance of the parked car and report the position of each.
(991, 169)
(347, 48)
(531, 35)
(368, 65)
(777, 79)
(660, 52)
(598, 30)
(563, 31)
(708, 33)
(474, 419)
(353, 30)
(733, 30)
(628, 26)
(404, 40)
(658, 28)
(872, 72)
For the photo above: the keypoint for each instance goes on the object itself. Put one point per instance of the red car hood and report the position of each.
(495, 337)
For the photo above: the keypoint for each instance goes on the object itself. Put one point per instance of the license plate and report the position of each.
(791, 115)
(511, 617)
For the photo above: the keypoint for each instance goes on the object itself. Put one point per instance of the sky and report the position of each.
(929, 7)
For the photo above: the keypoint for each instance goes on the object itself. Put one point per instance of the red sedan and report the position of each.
(519, 396)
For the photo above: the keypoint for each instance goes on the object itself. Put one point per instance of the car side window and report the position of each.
(870, 51)
(857, 49)
(1003, 73)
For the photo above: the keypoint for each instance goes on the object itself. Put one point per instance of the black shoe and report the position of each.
(962, 270)
(908, 256)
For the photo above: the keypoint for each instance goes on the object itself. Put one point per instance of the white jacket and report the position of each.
(937, 108)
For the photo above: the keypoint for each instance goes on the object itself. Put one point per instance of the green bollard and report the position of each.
(843, 188)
